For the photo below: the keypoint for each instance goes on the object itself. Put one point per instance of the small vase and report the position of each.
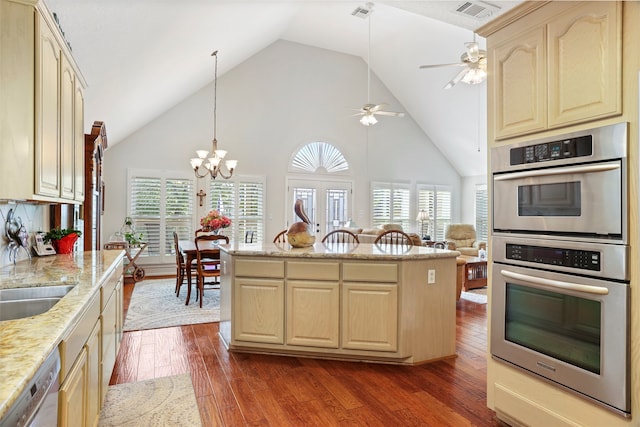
(65, 245)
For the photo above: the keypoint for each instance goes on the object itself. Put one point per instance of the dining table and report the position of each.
(188, 249)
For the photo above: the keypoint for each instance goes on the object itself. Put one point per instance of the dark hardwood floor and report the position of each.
(235, 389)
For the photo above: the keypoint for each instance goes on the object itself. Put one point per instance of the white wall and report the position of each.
(468, 197)
(268, 107)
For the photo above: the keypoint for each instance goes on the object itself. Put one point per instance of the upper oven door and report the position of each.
(578, 200)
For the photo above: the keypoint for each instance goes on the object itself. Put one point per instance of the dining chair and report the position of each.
(181, 266)
(281, 237)
(340, 236)
(249, 236)
(207, 263)
(394, 239)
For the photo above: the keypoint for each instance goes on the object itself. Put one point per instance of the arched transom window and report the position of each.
(319, 157)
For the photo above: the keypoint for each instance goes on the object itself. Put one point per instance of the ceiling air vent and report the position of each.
(362, 12)
(477, 9)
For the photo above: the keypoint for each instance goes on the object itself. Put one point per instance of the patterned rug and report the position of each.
(168, 401)
(155, 305)
(479, 296)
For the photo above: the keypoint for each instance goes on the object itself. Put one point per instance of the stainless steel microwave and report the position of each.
(567, 186)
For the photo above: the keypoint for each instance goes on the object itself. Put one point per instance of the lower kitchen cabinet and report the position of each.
(313, 313)
(370, 316)
(88, 352)
(72, 396)
(259, 308)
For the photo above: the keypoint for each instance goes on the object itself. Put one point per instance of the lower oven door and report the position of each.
(579, 200)
(571, 330)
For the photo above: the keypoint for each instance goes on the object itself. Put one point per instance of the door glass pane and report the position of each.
(564, 327)
(308, 197)
(336, 209)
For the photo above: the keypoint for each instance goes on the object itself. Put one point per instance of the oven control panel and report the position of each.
(555, 150)
(575, 258)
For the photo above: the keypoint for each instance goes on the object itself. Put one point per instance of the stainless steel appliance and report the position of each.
(37, 405)
(573, 186)
(560, 272)
(552, 317)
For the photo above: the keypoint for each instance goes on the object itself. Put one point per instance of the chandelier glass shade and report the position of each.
(212, 166)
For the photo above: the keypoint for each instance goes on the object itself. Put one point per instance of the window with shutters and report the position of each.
(242, 200)
(482, 213)
(161, 202)
(390, 204)
(436, 201)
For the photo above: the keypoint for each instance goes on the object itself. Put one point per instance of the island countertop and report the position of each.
(364, 251)
(25, 343)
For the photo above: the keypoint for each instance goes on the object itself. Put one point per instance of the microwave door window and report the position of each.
(561, 326)
(557, 199)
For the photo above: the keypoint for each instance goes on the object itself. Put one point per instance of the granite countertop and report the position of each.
(25, 343)
(364, 251)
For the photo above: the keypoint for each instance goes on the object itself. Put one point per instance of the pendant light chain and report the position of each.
(215, 98)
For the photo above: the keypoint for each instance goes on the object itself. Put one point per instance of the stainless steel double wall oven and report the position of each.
(560, 277)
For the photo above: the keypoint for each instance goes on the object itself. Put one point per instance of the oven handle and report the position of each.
(598, 290)
(558, 171)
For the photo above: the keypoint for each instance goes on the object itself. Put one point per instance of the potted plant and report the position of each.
(62, 239)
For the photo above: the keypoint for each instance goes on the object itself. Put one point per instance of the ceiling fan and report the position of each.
(369, 110)
(474, 61)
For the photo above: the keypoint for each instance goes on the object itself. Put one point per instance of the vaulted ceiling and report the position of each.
(142, 57)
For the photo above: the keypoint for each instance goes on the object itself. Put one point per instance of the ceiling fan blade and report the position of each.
(457, 78)
(457, 64)
(390, 113)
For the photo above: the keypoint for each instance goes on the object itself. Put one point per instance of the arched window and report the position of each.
(319, 157)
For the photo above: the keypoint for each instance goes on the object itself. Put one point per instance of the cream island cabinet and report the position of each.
(352, 302)
(85, 326)
(41, 108)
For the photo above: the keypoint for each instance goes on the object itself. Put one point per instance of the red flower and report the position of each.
(215, 220)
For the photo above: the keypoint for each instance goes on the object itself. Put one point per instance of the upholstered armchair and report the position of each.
(462, 238)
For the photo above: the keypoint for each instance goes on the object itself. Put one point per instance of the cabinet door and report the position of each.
(258, 310)
(520, 83)
(93, 376)
(585, 63)
(47, 96)
(370, 316)
(67, 130)
(108, 342)
(313, 313)
(72, 394)
(78, 137)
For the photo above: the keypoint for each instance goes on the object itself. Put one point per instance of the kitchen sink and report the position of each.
(17, 303)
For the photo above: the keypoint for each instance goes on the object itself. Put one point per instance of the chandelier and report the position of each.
(212, 165)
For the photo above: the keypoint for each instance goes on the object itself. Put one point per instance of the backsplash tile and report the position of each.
(33, 217)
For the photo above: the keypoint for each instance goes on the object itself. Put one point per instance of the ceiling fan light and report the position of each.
(475, 76)
(473, 51)
(368, 120)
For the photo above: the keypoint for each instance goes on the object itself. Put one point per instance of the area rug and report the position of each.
(155, 305)
(479, 296)
(167, 401)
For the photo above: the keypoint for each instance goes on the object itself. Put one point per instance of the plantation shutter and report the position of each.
(250, 209)
(159, 204)
(482, 213)
(242, 200)
(391, 203)
(146, 194)
(437, 202)
(179, 211)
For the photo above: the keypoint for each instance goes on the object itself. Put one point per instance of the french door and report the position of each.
(326, 203)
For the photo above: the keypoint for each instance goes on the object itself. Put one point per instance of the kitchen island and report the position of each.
(91, 309)
(344, 301)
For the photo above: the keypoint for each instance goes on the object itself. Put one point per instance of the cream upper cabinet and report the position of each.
(41, 108)
(519, 67)
(67, 131)
(557, 66)
(585, 48)
(48, 65)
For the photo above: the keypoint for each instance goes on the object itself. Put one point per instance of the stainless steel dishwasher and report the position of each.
(37, 405)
